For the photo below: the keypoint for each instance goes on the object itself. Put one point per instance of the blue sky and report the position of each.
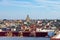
(36, 9)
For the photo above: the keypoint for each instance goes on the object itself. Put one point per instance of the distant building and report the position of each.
(27, 18)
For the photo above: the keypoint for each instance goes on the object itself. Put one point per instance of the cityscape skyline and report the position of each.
(36, 9)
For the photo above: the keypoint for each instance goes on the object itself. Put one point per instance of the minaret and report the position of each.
(27, 18)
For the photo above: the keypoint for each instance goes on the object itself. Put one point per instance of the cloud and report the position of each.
(32, 3)
(53, 0)
(40, 0)
(19, 3)
(7, 3)
(49, 3)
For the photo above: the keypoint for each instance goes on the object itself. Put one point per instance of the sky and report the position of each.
(36, 9)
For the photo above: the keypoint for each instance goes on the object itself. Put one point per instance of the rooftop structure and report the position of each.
(27, 18)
